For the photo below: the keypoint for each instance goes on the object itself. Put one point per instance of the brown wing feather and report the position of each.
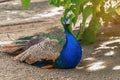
(12, 48)
(43, 49)
(34, 50)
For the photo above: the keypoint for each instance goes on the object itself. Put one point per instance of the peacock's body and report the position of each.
(44, 53)
(71, 53)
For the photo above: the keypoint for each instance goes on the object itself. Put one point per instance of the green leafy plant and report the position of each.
(25, 4)
(97, 11)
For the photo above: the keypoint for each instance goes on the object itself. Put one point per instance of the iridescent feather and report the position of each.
(45, 52)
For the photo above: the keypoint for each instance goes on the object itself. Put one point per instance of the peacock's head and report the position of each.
(66, 23)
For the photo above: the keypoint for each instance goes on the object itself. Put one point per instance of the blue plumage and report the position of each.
(36, 55)
(71, 53)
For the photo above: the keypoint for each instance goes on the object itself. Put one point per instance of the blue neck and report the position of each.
(66, 28)
(71, 52)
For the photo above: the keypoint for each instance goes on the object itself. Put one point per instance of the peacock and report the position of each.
(47, 53)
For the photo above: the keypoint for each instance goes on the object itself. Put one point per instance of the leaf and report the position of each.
(57, 3)
(86, 12)
(71, 23)
(118, 10)
(25, 4)
(50, 1)
(77, 11)
(89, 36)
(83, 2)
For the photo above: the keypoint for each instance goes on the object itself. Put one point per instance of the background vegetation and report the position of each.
(94, 13)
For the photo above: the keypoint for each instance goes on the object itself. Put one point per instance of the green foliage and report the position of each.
(86, 8)
(97, 9)
(88, 36)
(25, 3)
(118, 10)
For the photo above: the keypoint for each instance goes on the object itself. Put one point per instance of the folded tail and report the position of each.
(46, 64)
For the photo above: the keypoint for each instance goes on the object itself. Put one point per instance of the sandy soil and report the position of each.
(101, 60)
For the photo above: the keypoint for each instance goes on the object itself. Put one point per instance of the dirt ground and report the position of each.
(100, 61)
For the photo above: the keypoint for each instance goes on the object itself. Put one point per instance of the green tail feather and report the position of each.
(51, 36)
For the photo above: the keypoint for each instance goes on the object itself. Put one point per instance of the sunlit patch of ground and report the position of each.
(96, 66)
(104, 56)
(116, 67)
(13, 13)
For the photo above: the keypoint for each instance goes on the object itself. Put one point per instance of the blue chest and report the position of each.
(71, 53)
